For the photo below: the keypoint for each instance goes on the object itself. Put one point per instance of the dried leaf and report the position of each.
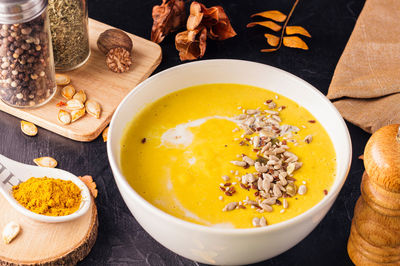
(294, 42)
(361, 157)
(269, 50)
(271, 14)
(269, 24)
(45, 162)
(217, 23)
(88, 180)
(167, 17)
(191, 44)
(105, 134)
(272, 39)
(290, 30)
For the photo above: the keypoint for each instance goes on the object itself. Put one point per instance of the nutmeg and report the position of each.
(114, 38)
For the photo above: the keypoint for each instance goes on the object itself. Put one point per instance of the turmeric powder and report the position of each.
(48, 196)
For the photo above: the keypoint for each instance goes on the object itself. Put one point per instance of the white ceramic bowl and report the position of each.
(216, 245)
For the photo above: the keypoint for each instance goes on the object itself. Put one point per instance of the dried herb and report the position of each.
(68, 24)
(167, 17)
(277, 41)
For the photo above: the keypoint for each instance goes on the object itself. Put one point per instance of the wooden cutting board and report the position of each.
(99, 83)
(46, 243)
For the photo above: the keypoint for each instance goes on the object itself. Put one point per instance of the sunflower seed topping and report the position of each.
(271, 180)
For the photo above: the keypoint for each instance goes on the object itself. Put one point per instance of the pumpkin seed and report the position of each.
(10, 231)
(45, 162)
(28, 128)
(74, 105)
(68, 92)
(105, 134)
(81, 96)
(62, 79)
(64, 117)
(76, 114)
(93, 108)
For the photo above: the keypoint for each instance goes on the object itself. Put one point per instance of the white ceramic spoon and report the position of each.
(12, 173)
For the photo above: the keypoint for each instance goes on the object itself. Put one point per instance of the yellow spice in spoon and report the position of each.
(48, 196)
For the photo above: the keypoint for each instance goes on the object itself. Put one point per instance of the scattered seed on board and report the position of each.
(29, 128)
(230, 206)
(302, 190)
(68, 92)
(81, 96)
(64, 117)
(62, 79)
(10, 231)
(74, 105)
(76, 114)
(93, 108)
(45, 162)
(105, 134)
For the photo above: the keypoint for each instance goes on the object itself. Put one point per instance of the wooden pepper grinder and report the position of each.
(375, 231)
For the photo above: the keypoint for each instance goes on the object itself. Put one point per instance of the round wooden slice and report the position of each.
(46, 243)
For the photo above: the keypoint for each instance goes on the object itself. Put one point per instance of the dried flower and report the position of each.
(202, 22)
(191, 44)
(167, 17)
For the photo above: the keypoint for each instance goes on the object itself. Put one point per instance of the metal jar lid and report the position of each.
(19, 11)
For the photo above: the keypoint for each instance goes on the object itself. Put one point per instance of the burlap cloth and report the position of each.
(366, 84)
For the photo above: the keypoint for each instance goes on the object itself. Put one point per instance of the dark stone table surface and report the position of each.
(121, 240)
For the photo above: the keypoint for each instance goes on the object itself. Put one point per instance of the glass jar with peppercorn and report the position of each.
(27, 77)
(69, 32)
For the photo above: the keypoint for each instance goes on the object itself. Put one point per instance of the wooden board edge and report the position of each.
(70, 134)
(71, 257)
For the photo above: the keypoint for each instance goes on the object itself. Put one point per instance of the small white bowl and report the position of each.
(216, 245)
(13, 172)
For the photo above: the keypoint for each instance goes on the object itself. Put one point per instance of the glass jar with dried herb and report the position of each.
(69, 32)
(27, 77)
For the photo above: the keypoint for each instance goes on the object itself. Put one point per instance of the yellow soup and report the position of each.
(184, 154)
